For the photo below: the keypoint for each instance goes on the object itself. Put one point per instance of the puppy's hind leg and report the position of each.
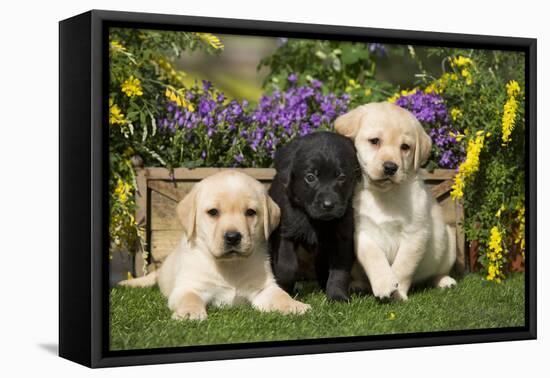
(444, 282)
(285, 266)
(145, 281)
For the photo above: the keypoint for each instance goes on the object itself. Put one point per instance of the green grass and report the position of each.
(140, 318)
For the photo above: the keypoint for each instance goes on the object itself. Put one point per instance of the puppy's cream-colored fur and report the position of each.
(400, 237)
(203, 269)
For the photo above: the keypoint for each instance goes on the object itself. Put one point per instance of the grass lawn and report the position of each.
(140, 317)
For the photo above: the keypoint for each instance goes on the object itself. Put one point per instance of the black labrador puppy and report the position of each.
(314, 184)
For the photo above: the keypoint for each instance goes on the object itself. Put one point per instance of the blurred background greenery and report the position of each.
(236, 71)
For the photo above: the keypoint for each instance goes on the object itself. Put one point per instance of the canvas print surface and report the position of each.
(274, 189)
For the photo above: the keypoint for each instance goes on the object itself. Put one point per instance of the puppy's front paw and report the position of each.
(384, 287)
(189, 314)
(444, 282)
(337, 294)
(292, 306)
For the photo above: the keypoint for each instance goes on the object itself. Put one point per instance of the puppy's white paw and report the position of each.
(445, 282)
(293, 307)
(384, 287)
(189, 314)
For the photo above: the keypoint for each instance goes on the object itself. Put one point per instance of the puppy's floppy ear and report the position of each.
(423, 146)
(348, 124)
(284, 158)
(272, 215)
(187, 212)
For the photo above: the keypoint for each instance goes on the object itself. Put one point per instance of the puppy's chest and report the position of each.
(234, 289)
(388, 215)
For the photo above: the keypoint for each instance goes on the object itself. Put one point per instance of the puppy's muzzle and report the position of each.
(390, 168)
(327, 205)
(232, 238)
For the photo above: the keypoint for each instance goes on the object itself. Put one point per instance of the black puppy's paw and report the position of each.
(337, 294)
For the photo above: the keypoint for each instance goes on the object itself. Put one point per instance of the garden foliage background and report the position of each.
(471, 102)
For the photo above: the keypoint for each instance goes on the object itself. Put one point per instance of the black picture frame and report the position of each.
(83, 196)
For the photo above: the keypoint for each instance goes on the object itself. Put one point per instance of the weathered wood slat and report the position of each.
(438, 174)
(442, 188)
(169, 189)
(163, 213)
(163, 243)
(156, 173)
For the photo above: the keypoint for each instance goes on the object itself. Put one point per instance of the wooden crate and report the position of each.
(159, 192)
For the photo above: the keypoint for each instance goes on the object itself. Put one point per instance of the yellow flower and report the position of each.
(438, 86)
(368, 92)
(179, 99)
(352, 84)
(467, 75)
(116, 46)
(168, 71)
(456, 113)
(404, 92)
(458, 137)
(116, 117)
(211, 39)
(469, 166)
(520, 219)
(123, 191)
(510, 111)
(495, 256)
(513, 89)
(132, 87)
(461, 61)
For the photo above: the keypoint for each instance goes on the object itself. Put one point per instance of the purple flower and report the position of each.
(315, 120)
(206, 85)
(316, 84)
(292, 78)
(378, 49)
(205, 106)
(219, 126)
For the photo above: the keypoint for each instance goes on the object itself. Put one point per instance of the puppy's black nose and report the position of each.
(390, 168)
(232, 237)
(327, 204)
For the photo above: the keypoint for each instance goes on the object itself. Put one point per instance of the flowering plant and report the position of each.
(210, 130)
(485, 95)
(343, 67)
(141, 69)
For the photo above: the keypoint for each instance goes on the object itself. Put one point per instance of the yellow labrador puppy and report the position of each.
(222, 258)
(400, 236)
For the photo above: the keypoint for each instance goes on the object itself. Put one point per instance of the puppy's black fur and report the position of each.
(314, 184)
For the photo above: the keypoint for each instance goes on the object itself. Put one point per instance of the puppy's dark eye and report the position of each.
(341, 177)
(374, 141)
(213, 212)
(405, 147)
(250, 212)
(310, 178)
